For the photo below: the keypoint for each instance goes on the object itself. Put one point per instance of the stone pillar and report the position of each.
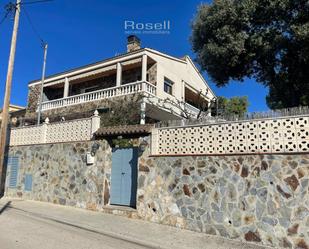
(95, 122)
(119, 74)
(66, 88)
(143, 112)
(144, 67)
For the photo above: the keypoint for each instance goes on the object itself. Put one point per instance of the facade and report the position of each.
(145, 71)
(246, 180)
(12, 109)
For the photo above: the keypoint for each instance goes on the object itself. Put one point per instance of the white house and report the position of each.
(141, 70)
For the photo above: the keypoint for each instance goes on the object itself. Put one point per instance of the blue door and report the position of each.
(124, 176)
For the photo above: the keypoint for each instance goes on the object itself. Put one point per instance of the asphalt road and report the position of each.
(20, 229)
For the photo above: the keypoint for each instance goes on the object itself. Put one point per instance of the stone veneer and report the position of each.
(61, 175)
(256, 198)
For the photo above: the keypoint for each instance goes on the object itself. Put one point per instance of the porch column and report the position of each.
(119, 74)
(209, 109)
(144, 67)
(66, 88)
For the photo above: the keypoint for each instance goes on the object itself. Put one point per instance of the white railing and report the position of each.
(131, 88)
(276, 135)
(68, 131)
(191, 109)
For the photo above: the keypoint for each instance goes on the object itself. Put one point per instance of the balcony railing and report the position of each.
(191, 109)
(131, 88)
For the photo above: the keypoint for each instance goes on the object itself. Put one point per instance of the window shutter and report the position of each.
(13, 163)
(28, 182)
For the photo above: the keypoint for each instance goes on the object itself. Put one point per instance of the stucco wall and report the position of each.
(257, 198)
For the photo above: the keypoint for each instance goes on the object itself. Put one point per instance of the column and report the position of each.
(209, 109)
(119, 74)
(66, 88)
(144, 67)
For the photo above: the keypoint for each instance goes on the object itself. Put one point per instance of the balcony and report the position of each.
(122, 90)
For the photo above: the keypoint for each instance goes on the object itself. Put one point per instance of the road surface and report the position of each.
(19, 229)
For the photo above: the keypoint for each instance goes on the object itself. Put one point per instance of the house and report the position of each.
(12, 108)
(155, 75)
(224, 178)
(15, 112)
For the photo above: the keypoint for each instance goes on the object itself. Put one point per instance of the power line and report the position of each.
(9, 8)
(39, 1)
(33, 27)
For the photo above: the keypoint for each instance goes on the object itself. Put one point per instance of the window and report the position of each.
(168, 86)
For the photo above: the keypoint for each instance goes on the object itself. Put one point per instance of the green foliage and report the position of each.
(123, 143)
(122, 111)
(234, 106)
(264, 39)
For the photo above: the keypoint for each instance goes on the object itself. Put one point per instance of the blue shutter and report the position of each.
(28, 182)
(13, 163)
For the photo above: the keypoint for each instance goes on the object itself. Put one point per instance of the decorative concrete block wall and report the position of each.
(68, 131)
(274, 135)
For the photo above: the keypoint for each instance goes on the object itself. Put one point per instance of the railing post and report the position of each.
(95, 122)
(44, 130)
(143, 88)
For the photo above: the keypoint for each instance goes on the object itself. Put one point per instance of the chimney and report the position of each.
(134, 43)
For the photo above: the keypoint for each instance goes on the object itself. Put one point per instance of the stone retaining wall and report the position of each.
(258, 198)
(60, 174)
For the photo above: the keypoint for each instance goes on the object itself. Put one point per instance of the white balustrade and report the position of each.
(131, 88)
(191, 109)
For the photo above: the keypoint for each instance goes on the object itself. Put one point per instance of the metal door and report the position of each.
(124, 176)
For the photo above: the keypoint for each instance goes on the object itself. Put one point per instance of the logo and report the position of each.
(160, 28)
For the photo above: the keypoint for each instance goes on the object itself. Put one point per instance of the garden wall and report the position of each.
(257, 198)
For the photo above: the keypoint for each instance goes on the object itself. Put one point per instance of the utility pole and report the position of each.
(6, 103)
(42, 83)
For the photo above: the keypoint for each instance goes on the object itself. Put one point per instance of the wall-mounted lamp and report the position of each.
(143, 145)
(94, 148)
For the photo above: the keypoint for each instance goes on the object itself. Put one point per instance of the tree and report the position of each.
(234, 106)
(264, 39)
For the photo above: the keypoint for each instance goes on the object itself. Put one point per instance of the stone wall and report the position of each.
(257, 198)
(60, 174)
(33, 98)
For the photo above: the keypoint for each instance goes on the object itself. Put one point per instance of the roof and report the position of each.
(87, 65)
(124, 130)
(98, 64)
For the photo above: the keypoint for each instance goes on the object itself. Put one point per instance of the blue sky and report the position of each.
(80, 32)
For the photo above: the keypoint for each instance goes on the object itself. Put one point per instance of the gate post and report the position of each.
(95, 122)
